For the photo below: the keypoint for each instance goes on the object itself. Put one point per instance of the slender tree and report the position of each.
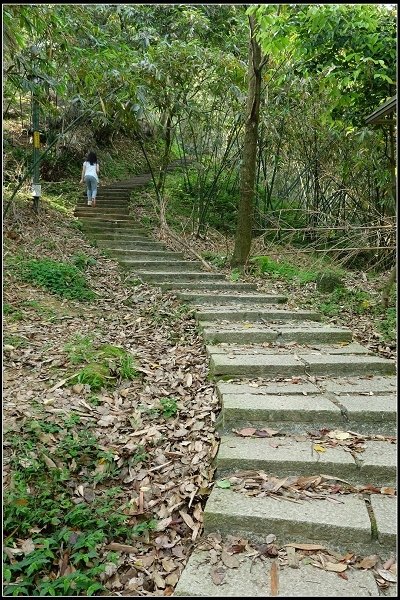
(249, 157)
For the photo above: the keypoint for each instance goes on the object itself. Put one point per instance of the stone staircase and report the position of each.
(282, 369)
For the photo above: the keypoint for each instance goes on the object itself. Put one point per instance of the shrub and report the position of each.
(58, 278)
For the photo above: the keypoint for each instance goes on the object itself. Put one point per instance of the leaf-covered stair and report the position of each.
(285, 381)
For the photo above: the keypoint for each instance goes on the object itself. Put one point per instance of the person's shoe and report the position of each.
(89, 203)
(93, 203)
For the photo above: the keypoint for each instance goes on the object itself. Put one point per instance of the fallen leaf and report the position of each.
(388, 491)
(114, 546)
(218, 575)
(339, 435)
(50, 463)
(319, 448)
(270, 538)
(387, 575)
(274, 578)
(293, 560)
(246, 432)
(189, 380)
(368, 562)
(307, 546)
(336, 567)
(224, 484)
(343, 576)
(389, 563)
(229, 561)
(27, 546)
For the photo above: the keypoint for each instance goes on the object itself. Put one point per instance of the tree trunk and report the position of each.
(388, 286)
(249, 159)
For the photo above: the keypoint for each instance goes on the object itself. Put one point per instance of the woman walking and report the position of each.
(90, 175)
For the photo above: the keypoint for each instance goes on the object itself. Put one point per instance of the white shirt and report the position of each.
(90, 169)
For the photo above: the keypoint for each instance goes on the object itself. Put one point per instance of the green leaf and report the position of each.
(224, 484)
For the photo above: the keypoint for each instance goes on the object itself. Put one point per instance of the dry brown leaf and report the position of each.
(229, 561)
(387, 575)
(368, 562)
(274, 579)
(27, 546)
(218, 575)
(158, 580)
(246, 432)
(335, 567)
(188, 519)
(388, 491)
(114, 546)
(306, 546)
(49, 462)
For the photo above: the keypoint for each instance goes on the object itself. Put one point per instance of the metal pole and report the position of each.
(36, 187)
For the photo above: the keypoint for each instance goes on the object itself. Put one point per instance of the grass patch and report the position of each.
(12, 312)
(105, 364)
(59, 278)
(169, 407)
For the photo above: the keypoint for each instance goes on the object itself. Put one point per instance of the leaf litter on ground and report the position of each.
(163, 464)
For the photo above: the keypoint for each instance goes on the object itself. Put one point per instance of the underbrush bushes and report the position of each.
(59, 526)
(208, 201)
(288, 271)
(59, 278)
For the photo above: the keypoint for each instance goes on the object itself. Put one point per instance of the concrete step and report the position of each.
(284, 456)
(166, 277)
(123, 233)
(224, 286)
(367, 405)
(344, 525)
(103, 204)
(164, 266)
(257, 333)
(328, 361)
(95, 215)
(99, 210)
(124, 242)
(252, 579)
(150, 255)
(254, 314)
(99, 226)
(105, 225)
(238, 299)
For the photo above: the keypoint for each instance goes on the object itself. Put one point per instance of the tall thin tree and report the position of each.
(249, 158)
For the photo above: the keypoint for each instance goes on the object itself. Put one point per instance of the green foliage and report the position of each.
(235, 274)
(287, 271)
(58, 278)
(169, 407)
(15, 340)
(105, 362)
(82, 261)
(15, 314)
(355, 300)
(80, 349)
(388, 325)
(39, 505)
(94, 375)
(218, 260)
